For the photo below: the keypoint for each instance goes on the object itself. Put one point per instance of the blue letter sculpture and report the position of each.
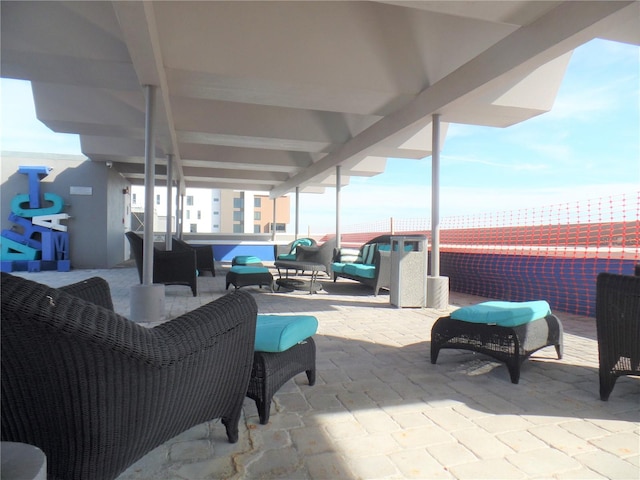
(41, 243)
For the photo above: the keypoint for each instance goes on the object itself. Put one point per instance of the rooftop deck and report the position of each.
(380, 409)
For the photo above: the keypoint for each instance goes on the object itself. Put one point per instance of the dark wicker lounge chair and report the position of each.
(96, 391)
(174, 267)
(618, 326)
(204, 255)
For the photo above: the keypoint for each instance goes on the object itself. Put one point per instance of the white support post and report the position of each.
(437, 286)
(167, 238)
(273, 224)
(297, 212)
(338, 186)
(146, 301)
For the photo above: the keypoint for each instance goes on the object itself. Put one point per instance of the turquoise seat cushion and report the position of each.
(278, 333)
(360, 270)
(287, 256)
(248, 269)
(384, 247)
(337, 267)
(245, 260)
(504, 314)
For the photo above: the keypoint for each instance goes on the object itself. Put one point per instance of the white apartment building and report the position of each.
(202, 209)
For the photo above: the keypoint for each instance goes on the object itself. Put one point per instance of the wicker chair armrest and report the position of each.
(95, 290)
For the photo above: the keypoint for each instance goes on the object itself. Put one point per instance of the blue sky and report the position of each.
(587, 146)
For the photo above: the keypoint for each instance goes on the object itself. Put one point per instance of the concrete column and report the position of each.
(437, 286)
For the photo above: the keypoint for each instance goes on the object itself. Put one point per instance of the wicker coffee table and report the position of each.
(313, 285)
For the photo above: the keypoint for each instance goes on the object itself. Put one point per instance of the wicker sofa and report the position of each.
(370, 265)
(96, 391)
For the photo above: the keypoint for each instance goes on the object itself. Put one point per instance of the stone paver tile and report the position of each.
(321, 402)
(580, 474)
(449, 454)
(521, 441)
(448, 419)
(327, 465)
(382, 444)
(496, 469)
(562, 440)
(377, 467)
(583, 429)
(356, 401)
(377, 421)
(422, 436)
(496, 404)
(502, 423)
(609, 465)
(411, 420)
(625, 444)
(346, 429)
(208, 469)
(483, 444)
(614, 425)
(292, 402)
(311, 440)
(274, 464)
(543, 463)
(190, 450)
(419, 464)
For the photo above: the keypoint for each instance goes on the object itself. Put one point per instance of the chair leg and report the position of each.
(607, 382)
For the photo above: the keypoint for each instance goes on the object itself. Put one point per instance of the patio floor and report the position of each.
(381, 410)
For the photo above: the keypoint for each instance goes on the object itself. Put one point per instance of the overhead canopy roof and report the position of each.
(273, 95)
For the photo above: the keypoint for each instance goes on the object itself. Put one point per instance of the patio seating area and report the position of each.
(379, 408)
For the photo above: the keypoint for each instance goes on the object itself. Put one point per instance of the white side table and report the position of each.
(21, 461)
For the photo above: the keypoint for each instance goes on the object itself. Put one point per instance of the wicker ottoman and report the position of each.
(509, 344)
(241, 276)
(273, 369)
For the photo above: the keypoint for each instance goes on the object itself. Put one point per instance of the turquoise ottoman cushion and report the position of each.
(504, 314)
(247, 269)
(245, 260)
(278, 333)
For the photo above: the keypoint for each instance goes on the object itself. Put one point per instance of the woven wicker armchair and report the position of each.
(174, 267)
(96, 391)
(204, 255)
(618, 326)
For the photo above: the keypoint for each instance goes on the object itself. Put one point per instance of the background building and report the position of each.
(214, 211)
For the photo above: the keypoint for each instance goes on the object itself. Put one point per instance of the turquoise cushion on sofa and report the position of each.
(337, 267)
(277, 333)
(360, 270)
(287, 256)
(505, 314)
(248, 269)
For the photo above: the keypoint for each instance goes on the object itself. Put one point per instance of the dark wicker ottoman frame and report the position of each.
(245, 279)
(512, 345)
(272, 370)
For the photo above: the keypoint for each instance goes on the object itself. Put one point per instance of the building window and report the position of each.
(238, 202)
(257, 202)
(133, 198)
(257, 215)
(238, 216)
(215, 225)
(190, 200)
(216, 199)
(256, 229)
(237, 228)
(157, 199)
(216, 213)
(188, 214)
(193, 228)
